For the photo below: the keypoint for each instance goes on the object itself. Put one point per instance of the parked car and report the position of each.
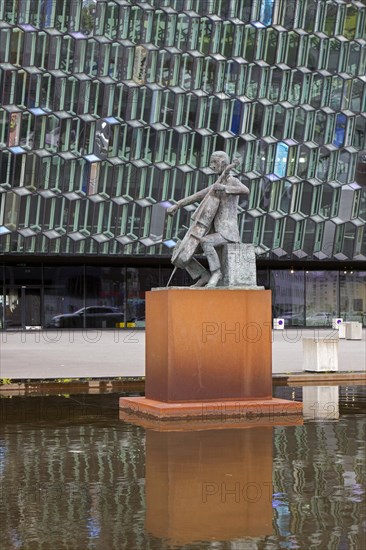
(292, 318)
(95, 317)
(320, 319)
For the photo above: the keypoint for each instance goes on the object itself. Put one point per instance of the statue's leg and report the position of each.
(209, 244)
(183, 258)
(197, 271)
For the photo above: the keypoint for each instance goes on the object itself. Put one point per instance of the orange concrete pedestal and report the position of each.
(208, 344)
(208, 348)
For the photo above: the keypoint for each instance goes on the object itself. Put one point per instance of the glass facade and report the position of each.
(110, 109)
(109, 112)
(78, 296)
(91, 296)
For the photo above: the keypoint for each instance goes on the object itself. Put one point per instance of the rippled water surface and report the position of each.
(75, 476)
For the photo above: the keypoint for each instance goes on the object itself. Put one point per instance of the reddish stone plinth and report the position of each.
(221, 410)
(208, 344)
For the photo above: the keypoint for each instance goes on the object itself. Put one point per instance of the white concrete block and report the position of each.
(336, 322)
(278, 324)
(353, 330)
(320, 402)
(342, 330)
(320, 355)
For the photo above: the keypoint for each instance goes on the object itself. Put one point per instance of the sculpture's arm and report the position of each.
(193, 198)
(188, 200)
(235, 187)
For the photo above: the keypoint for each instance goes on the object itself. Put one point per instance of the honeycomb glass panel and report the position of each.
(350, 22)
(330, 19)
(285, 197)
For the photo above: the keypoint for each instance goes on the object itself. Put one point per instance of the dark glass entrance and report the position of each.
(22, 307)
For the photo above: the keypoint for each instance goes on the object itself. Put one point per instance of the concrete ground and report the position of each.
(99, 354)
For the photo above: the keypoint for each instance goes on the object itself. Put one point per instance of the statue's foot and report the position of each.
(214, 279)
(202, 281)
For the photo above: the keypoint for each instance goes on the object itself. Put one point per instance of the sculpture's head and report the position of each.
(218, 161)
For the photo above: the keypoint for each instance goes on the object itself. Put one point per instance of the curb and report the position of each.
(131, 384)
(311, 377)
(76, 385)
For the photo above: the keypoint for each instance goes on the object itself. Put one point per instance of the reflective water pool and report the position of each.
(75, 476)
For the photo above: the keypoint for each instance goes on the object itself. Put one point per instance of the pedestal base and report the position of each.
(251, 410)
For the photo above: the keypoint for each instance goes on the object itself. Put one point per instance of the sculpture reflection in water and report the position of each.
(209, 484)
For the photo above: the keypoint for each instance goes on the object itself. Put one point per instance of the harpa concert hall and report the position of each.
(109, 113)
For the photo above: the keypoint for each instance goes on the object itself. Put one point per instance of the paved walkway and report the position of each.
(98, 354)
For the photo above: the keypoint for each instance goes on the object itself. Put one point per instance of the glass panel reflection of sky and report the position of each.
(281, 159)
(340, 130)
(266, 12)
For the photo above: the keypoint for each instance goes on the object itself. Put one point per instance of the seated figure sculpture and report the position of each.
(214, 223)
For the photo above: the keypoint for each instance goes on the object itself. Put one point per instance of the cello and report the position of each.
(202, 222)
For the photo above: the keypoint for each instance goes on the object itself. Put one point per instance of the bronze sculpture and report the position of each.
(214, 223)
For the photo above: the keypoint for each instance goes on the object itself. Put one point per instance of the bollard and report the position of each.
(278, 324)
(353, 330)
